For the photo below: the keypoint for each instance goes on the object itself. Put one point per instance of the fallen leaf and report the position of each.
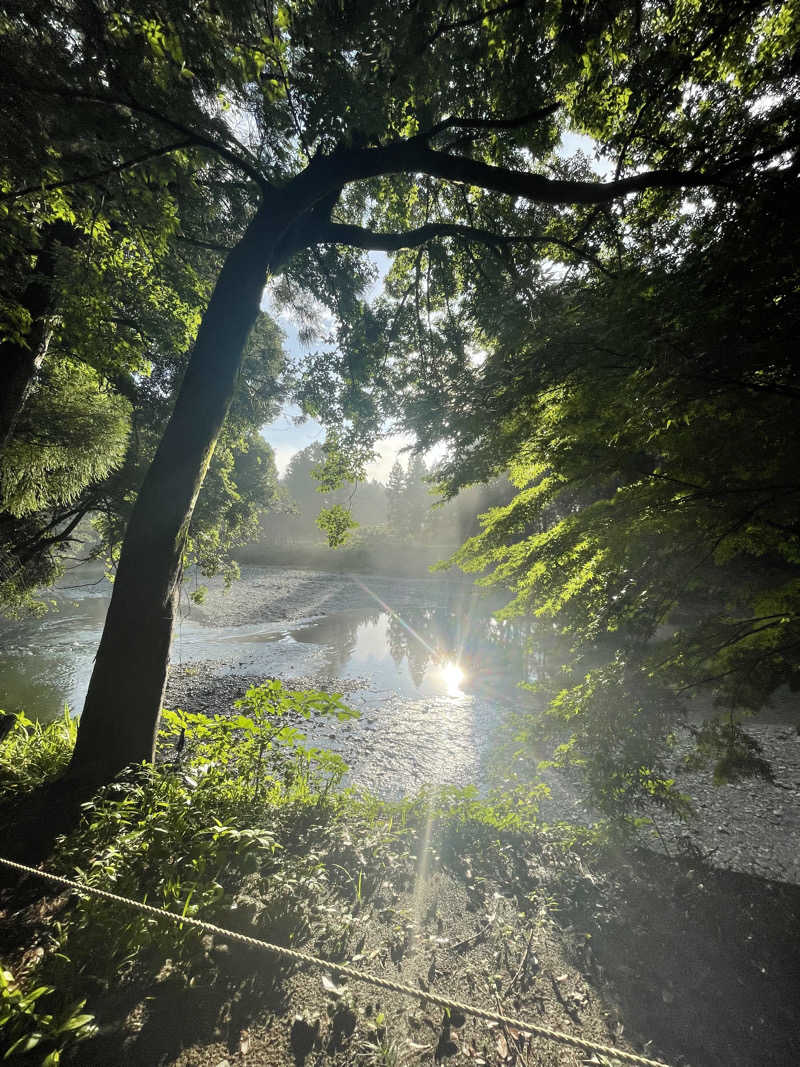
(331, 987)
(502, 1046)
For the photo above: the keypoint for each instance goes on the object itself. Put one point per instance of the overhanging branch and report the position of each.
(358, 237)
(370, 240)
(248, 165)
(516, 123)
(336, 233)
(414, 157)
(473, 20)
(116, 168)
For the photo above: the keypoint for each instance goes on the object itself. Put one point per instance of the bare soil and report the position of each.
(665, 957)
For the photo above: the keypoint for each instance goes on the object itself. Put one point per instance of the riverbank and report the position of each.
(691, 939)
(750, 827)
(366, 637)
(662, 956)
(286, 595)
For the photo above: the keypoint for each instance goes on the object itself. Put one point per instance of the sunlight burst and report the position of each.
(453, 677)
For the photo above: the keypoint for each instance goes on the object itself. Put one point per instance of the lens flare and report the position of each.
(452, 676)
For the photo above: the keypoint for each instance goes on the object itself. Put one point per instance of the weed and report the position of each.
(34, 753)
(28, 1030)
(248, 827)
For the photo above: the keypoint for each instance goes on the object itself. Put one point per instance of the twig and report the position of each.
(523, 963)
(468, 941)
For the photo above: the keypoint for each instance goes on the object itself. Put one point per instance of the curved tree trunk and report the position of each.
(123, 704)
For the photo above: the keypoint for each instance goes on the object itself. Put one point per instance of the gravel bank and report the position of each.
(752, 827)
(267, 594)
(400, 744)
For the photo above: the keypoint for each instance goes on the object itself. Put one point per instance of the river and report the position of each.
(423, 661)
(386, 643)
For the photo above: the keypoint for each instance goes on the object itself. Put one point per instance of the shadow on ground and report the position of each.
(703, 962)
(160, 1022)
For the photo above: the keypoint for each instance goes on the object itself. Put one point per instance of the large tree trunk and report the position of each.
(123, 704)
(20, 360)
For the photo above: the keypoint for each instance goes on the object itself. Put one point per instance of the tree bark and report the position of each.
(120, 716)
(19, 361)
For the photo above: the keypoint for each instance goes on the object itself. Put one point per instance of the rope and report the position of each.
(344, 969)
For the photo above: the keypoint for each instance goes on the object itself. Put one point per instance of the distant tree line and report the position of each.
(408, 509)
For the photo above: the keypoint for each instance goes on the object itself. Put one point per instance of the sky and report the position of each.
(287, 437)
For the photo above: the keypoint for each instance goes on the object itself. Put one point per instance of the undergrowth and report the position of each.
(240, 822)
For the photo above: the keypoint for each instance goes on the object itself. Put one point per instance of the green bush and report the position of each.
(28, 1031)
(34, 753)
(245, 827)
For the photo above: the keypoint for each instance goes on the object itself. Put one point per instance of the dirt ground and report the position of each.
(676, 961)
(684, 951)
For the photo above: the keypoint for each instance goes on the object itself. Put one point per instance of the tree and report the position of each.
(300, 485)
(111, 240)
(368, 126)
(241, 483)
(408, 499)
(395, 492)
(650, 423)
(418, 499)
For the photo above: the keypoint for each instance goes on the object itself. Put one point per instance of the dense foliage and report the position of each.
(106, 264)
(649, 420)
(285, 141)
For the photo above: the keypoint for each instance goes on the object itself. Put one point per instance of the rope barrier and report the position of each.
(344, 969)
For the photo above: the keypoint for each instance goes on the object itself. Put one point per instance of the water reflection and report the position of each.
(407, 651)
(453, 677)
(341, 634)
(398, 649)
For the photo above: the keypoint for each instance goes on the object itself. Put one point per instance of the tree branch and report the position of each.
(473, 20)
(413, 157)
(116, 168)
(358, 237)
(209, 246)
(250, 167)
(455, 123)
